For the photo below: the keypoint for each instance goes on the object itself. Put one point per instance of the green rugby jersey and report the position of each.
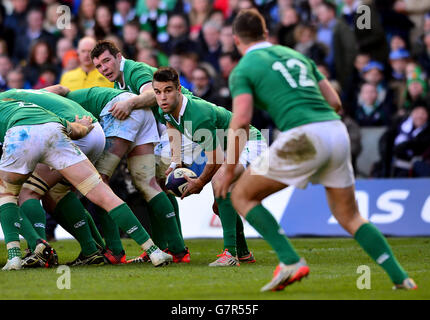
(200, 115)
(284, 83)
(94, 99)
(135, 75)
(19, 113)
(55, 103)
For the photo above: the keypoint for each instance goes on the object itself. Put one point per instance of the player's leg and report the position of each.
(141, 164)
(107, 163)
(344, 208)
(87, 180)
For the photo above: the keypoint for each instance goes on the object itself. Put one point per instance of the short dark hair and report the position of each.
(249, 25)
(166, 74)
(103, 45)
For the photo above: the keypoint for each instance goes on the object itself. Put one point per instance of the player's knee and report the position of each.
(59, 191)
(107, 164)
(87, 185)
(142, 171)
(34, 188)
(238, 198)
(9, 192)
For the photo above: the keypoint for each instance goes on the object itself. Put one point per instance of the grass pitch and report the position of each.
(333, 263)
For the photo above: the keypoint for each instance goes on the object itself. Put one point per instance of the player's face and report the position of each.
(167, 95)
(108, 65)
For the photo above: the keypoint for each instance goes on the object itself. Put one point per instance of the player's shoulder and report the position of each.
(132, 66)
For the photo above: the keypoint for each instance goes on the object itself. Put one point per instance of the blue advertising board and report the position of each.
(398, 207)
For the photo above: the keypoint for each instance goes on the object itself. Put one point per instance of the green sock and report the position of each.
(127, 221)
(157, 232)
(265, 224)
(37, 216)
(27, 231)
(94, 230)
(228, 216)
(9, 220)
(377, 247)
(110, 231)
(165, 214)
(241, 245)
(175, 205)
(74, 215)
(13, 252)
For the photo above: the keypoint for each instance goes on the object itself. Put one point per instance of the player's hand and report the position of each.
(86, 121)
(194, 186)
(223, 182)
(121, 110)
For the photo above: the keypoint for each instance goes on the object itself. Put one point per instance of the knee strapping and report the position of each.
(9, 192)
(142, 171)
(36, 184)
(59, 191)
(89, 183)
(107, 163)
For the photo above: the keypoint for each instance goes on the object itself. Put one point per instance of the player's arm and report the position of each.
(58, 89)
(330, 95)
(215, 160)
(236, 140)
(175, 140)
(146, 99)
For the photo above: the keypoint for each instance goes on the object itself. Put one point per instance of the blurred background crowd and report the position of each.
(381, 70)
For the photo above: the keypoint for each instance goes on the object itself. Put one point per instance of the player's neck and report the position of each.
(178, 108)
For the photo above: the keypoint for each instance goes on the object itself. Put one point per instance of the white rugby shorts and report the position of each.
(318, 153)
(93, 143)
(25, 146)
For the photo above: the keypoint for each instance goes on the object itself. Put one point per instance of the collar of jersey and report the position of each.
(121, 68)
(181, 113)
(259, 45)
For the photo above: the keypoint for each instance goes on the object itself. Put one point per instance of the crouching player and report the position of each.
(203, 123)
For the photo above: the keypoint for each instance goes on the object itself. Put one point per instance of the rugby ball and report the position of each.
(176, 183)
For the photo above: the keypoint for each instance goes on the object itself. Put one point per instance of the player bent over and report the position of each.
(31, 134)
(313, 146)
(56, 193)
(202, 122)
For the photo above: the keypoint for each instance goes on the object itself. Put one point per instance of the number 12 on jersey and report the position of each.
(304, 81)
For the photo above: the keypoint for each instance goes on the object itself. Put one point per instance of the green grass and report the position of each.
(333, 263)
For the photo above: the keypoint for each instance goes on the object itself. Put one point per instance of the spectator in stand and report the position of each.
(397, 43)
(86, 16)
(103, 26)
(86, 75)
(285, 30)
(5, 67)
(41, 56)
(416, 92)
(227, 62)
(178, 35)
(145, 41)
(398, 61)
(63, 45)
(148, 56)
(415, 10)
(421, 167)
(7, 34)
(16, 80)
(307, 44)
(200, 11)
(226, 38)
(47, 78)
(370, 112)
(124, 13)
(373, 73)
(202, 83)
(32, 33)
(130, 34)
(70, 60)
(406, 139)
(189, 61)
(423, 56)
(211, 44)
(17, 20)
(340, 41)
(155, 20)
(73, 32)
(51, 19)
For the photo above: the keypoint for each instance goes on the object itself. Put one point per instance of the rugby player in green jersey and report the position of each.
(313, 146)
(136, 78)
(206, 124)
(31, 135)
(135, 137)
(47, 184)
